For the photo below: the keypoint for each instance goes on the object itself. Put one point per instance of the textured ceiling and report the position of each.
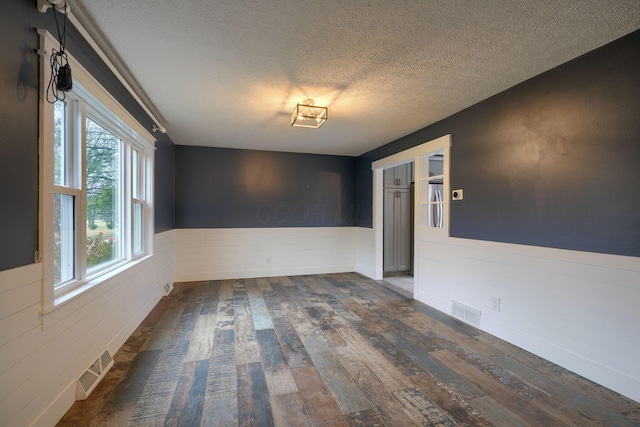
(228, 73)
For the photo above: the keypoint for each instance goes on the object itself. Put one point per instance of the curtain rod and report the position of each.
(63, 6)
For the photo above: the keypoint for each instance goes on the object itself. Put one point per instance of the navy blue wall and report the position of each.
(164, 184)
(553, 162)
(221, 187)
(19, 129)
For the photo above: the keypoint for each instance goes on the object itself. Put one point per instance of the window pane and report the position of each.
(103, 195)
(134, 175)
(436, 165)
(60, 143)
(63, 238)
(137, 227)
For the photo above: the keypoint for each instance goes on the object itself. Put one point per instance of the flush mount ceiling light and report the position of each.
(308, 115)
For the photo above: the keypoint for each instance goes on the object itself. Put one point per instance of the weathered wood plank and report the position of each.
(454, 405)
(186, 324)
(289, 410)
(277, 373)
(181, 393)
(433, 366)
(399, 359)
(550, 385)
(390, 410)
(366, 418)
(210, 301)
(515, 403)
(275, 307)
(162, 332)
(261, 413)
(244, 395)
(133, 383)
(422, 409)
(108, 416)
(221, 378)
(220, 412)
(366, 316)
(496, 414)
(321, 406)
(270, 351)
(202, 338)
(292, 347)
(263, 284)
(259, 312)
(247, 347)
(191, 412)
(157, 395)
(391, 376)
(322, 324)
(345, 392)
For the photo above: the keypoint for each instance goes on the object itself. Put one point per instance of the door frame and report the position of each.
(410, 155)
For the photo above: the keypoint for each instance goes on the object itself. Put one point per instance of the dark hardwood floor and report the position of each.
(330, 350)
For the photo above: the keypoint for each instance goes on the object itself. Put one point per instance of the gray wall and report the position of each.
(19, 129)
(222, 187)
(554, 161)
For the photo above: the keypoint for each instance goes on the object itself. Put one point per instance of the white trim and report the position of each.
(57, 408)
(406, 156)
(94, 100)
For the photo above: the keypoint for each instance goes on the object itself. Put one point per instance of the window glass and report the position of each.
(60, 143)
(135, 183)
(102, 195)
(137, 227)
(64, 264)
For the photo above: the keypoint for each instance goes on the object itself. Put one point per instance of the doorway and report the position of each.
(430, 215)
(398, 211)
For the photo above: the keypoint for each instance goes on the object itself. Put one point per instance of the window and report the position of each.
(96, 170)
(432, 190)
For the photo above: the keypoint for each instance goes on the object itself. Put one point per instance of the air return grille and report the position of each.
(92, 376)
(465, 313)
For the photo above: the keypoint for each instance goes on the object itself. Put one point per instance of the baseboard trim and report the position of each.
(250, 274)
(57, 408)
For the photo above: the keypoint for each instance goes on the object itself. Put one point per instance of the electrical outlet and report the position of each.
(268, 260)
(495, 304)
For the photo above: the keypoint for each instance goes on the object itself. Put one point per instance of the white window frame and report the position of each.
(89, 99)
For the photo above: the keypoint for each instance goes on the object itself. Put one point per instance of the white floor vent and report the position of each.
(166, 289)
(466, 313)
(92, 376)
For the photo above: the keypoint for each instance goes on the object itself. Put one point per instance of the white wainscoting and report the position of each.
(365, 252)
(39, 366)
(235, 253)
(576, 309)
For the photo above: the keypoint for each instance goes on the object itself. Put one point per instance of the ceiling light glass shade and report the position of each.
(308, 115)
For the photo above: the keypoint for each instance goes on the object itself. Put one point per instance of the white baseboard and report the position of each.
(56, 409)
